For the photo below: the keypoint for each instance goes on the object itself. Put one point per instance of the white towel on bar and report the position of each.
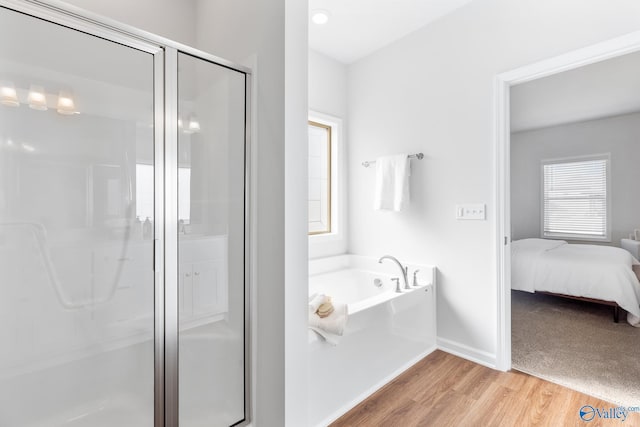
(392, 182)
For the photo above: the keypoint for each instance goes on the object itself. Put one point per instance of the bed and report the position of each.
(602, 274)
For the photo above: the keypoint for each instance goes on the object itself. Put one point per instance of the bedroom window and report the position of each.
(575, 198)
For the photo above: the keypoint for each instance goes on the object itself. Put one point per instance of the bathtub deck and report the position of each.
(445, 390)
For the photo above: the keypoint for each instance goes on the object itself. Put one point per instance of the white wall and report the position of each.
(328, 96)
(327, 85)
(173, 19)
(252, 32)
(271, 37)
(433, 92)
(618, 135)
(296, 222)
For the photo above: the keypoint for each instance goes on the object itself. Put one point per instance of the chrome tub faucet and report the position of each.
(402, 268)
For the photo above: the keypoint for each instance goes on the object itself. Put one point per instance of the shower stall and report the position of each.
(123, 226)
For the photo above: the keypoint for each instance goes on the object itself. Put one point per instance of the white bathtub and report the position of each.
(386, 333)
(356, 288)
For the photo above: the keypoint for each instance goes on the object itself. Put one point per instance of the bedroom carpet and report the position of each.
(577, 345)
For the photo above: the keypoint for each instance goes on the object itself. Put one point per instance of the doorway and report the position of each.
(572, 60)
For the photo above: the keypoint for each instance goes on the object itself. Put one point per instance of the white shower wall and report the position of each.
(61, 325)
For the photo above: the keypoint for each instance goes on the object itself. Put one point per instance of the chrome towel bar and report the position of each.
(418, 156)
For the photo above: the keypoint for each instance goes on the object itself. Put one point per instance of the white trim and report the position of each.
(469, 353)
(364, 395)
(599, 52)
(503, 223)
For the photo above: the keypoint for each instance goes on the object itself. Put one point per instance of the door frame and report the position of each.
(165, 245)
(502, 174)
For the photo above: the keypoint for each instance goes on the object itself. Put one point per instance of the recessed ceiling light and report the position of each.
(319, 17)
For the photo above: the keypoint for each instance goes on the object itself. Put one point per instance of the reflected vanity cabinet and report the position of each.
(203, 279)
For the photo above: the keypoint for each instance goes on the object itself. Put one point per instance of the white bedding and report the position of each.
(590, 271)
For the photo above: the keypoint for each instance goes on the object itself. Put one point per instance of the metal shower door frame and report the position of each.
(165, 83)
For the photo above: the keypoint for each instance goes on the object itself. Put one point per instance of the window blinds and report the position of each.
(575, 199)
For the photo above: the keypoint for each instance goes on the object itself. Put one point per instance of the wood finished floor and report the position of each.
(445, 390)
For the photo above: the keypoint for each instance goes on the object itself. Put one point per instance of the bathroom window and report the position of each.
(144, 192)
(326, 158)
(575, 198)
(320, 182)
(184, 195)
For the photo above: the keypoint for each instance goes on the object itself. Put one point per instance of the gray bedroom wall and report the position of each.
(619, 135)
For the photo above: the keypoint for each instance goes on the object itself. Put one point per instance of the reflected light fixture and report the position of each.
(320, 17)
(37, 99)
(66, 106)
(8, 95)
(193, 126)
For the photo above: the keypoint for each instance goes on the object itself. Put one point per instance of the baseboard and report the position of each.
(352, 404)
(473, 354)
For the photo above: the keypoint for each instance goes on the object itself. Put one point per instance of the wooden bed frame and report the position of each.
(616, 307)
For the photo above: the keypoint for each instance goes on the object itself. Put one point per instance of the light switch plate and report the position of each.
(474, 211)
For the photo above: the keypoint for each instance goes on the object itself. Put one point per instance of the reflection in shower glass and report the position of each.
(211, 243)
(76, 279)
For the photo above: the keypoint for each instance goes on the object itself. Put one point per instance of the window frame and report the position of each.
(330, 181)
(334, 243)
(577, 237)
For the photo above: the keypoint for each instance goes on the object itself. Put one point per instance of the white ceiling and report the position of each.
(603, 89)
(357, 28)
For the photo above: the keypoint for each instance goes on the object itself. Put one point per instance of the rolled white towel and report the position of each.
(315, 301)
(329, 338)
(334, 323)
(331, 327)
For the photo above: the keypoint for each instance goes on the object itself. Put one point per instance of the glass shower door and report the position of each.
(76, 228)
(211, 239)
